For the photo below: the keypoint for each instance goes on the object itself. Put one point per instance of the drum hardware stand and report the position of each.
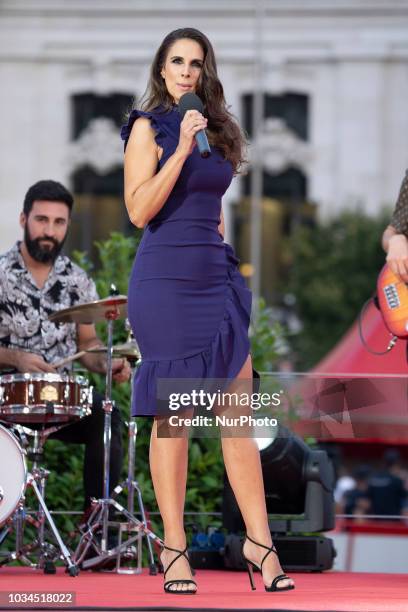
(131, 484)
(132, 487)
(19, 518)
(99, 518)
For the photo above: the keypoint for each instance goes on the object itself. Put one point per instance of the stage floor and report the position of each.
(218, 590)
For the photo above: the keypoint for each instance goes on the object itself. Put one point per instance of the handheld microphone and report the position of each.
(190, 101)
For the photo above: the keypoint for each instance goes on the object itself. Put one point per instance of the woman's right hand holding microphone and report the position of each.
(192, 123)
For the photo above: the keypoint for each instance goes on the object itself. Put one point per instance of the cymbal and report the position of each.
(130, 350)
(113, 307)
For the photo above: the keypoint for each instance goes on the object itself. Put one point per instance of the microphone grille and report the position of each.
(190, 101)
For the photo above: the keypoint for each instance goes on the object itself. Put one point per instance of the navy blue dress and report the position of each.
(189, 306)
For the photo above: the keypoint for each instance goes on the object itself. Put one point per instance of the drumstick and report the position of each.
(63, 362)
(78, 355)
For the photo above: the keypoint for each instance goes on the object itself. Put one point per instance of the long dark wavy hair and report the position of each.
(223, 130)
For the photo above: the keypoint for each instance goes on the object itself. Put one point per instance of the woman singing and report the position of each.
(188, 304)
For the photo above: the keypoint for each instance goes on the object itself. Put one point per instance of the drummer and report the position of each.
(35, 281)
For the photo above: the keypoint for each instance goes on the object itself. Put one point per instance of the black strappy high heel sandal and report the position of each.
(250, 565)
(169, 583)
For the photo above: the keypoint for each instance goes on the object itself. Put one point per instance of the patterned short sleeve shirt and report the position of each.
(399, 219)
(24, 308)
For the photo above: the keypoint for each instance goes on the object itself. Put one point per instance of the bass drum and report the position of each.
(13, 473)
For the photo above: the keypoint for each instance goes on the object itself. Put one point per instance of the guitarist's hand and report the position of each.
(397, 257)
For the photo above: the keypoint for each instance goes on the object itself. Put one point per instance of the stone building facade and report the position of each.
(334, 73)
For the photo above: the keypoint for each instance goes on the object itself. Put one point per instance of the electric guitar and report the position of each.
(392, 294)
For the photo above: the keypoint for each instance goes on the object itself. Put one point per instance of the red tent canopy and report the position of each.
(350, 355)
(373, 392)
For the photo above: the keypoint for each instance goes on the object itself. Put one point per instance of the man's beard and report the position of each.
(42, 254)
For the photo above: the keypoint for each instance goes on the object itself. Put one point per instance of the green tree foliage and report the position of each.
(268, 339)
(334, 271)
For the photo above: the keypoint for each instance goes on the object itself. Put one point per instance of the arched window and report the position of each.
(287, 117)
(96, 162)
(285, 154)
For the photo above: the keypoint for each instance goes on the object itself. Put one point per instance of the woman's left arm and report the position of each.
(221, 227)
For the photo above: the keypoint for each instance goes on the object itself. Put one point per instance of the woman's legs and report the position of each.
(168, 466)
(243, 465)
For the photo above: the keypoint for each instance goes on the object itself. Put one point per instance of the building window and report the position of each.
(285, 153)
(286, 117)
(96, 162)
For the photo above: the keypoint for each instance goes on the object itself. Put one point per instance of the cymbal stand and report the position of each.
(99, 518)
(133, 487)
(47, 552)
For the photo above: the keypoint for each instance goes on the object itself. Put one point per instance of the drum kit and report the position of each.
(34, 405)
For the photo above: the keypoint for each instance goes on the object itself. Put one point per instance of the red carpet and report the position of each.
(330, 591)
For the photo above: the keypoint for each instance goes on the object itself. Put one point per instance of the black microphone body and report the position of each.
(190, 101)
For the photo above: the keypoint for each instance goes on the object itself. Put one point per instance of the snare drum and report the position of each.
(44, 398)
(13, 473)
